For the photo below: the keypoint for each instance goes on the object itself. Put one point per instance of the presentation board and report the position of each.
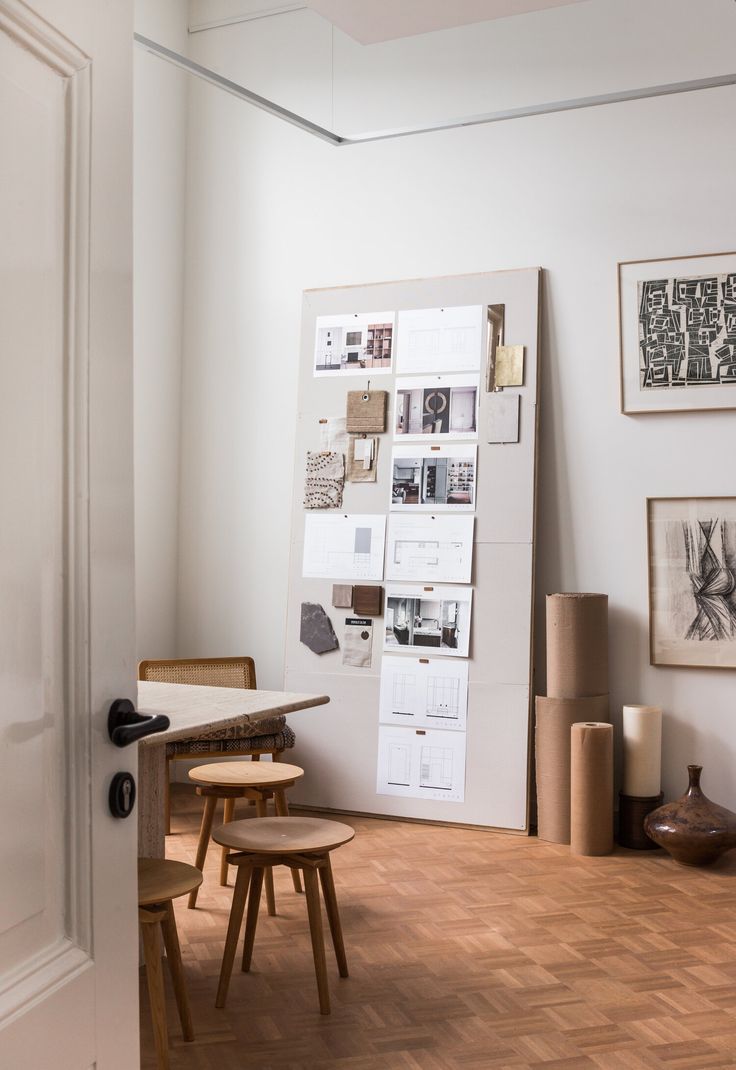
(430, 680)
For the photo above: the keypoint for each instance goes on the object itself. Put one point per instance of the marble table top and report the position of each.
(194, 710)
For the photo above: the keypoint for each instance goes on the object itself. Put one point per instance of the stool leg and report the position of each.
(233, 932)
(173, 954)
(282, 810)
(228, 816)
(333, 916)
(204, 840)
(251, 918)
(155, 978)
(262, 811)
(314, 911)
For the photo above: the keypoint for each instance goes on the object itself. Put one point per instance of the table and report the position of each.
(194, 713)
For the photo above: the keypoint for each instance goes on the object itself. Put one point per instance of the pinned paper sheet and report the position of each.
(430, 548)
(424, 693)
(428, 620)
(440, 339)
(421, 763)
(340, 546)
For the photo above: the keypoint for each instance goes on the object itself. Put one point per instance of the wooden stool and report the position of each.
(257, 781)
(159, 881)
(301, 843)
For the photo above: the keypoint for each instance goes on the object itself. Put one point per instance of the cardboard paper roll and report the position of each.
(577, 645)
(555, 718)
(591, 788)
(642, 750)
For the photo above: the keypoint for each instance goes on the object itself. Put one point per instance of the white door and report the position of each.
(68, 931)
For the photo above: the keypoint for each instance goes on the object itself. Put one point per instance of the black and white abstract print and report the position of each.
(687, 331)
(693, 581)
(710, 561)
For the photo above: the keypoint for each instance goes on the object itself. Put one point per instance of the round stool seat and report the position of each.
(283, 835)
(160, 879)
(245, 774)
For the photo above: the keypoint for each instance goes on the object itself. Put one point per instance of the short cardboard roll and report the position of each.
(555, 718)
(591, 788)
(577, 645)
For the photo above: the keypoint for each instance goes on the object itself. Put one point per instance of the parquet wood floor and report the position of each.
(469, 951)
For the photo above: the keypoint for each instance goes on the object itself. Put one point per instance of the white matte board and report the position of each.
(338, 744)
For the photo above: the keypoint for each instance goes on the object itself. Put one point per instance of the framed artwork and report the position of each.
(677, 331)
(692, 581)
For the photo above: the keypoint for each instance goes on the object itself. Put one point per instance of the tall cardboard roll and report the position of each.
(577, 645)
(642, 750)
(591, 788)
(555, 718)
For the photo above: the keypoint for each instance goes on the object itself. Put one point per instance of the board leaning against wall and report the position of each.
(342, 745)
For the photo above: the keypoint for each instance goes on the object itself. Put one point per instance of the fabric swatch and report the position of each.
(358, 642)
(324, 480)
(366, 410)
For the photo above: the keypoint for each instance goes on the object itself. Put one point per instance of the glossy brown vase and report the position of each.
(694, 830)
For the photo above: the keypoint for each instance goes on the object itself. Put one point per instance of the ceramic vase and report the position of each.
(693, 830)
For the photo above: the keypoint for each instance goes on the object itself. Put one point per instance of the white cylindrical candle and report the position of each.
(642, 750)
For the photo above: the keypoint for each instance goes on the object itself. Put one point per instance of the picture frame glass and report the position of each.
(677, 321)
(692, 581)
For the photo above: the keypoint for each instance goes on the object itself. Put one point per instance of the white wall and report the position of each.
(272, 211)
(159, 161)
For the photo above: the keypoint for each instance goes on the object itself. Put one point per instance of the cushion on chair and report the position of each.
(281, 737)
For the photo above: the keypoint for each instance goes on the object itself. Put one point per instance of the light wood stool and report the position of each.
(301, 843)
(257, 781)
(159, 881)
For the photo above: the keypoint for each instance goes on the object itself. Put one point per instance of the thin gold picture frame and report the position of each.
(650, 502)
(622, 393)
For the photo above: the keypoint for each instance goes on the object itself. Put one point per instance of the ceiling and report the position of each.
(371, 21)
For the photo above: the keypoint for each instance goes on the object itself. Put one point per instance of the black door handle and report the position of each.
(125, 725)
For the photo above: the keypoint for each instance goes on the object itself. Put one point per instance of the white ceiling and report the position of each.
(371, 21)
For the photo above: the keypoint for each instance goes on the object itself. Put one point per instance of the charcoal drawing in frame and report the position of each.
(677, 332)
(692, 581)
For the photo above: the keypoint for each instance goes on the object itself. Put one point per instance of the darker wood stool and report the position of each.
(159, 881)
(301, 843)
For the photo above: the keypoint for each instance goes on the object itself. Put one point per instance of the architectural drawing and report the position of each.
(424, 692)
(687, 331)
(421, 764)
(344, 547)
(440, 339)
(433, 548)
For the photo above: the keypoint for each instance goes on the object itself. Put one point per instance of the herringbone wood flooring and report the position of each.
(470, 950)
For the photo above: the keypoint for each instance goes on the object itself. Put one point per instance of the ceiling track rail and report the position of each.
(527, 111)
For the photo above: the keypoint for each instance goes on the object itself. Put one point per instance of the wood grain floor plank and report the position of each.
(469, 951)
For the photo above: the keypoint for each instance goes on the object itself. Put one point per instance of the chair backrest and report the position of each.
(210, 672)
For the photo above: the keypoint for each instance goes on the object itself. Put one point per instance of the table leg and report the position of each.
(152, 770)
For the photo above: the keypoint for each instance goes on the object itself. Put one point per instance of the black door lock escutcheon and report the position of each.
(122, 795)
